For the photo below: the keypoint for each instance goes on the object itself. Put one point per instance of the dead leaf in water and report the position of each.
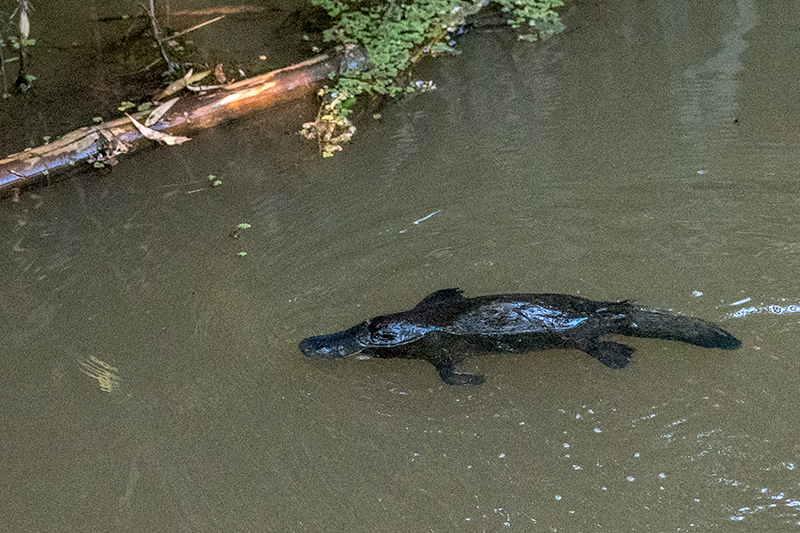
(219, 74)
(106, 375)
(154, 135)
(184, 82)
(158, 112)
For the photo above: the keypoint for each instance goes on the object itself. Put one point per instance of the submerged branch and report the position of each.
(95, 144)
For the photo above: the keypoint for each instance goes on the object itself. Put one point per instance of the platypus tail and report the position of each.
(661, 325)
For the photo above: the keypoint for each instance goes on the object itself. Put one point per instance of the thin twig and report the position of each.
(3, 69)
(184, 32)
(157, 33)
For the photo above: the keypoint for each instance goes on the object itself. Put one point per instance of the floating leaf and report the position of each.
(244, 225)
(219, 73)
(24, 24)
(184, 82)
(176, 86)
(242, 254)
(154, 135)
(158, 112)
(197, 77)
(106, 375)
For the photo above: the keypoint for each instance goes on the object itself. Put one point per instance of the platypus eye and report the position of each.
(387, 333)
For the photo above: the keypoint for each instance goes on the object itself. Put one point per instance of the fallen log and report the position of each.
(88, 145)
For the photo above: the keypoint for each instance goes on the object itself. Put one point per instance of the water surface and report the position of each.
(650, 152)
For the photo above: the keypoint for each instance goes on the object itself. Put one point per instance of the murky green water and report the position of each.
(152, 380)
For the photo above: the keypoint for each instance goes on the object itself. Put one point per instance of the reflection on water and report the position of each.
(710, 93)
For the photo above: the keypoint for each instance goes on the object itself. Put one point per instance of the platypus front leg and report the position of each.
(450, 376)
(448, 360)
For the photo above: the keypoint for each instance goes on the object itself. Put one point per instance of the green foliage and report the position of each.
(16, 43)
(390, 31)
(395, 34)
(538, 15)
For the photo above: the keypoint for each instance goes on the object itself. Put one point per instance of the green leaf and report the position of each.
(244, 225)
(396, 33)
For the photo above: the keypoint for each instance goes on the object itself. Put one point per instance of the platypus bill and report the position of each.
(445, 328)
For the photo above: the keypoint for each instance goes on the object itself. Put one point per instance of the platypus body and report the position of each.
(445, 328)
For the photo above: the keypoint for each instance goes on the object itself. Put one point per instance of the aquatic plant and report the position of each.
(394, 34)
(19, 40)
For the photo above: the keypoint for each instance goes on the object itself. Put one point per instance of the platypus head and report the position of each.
(336, 345)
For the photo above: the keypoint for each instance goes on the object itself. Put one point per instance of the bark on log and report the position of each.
(86, 145)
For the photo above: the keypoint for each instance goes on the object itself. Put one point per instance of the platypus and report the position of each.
(445, 328)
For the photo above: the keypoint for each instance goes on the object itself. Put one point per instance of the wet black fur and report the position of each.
(445, 328)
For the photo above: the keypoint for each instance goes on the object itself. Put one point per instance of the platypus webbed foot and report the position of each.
(611, 354)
